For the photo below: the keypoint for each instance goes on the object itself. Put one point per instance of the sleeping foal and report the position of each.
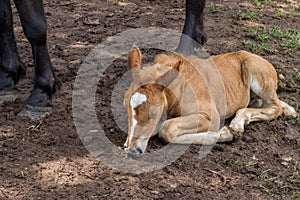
(196, 95)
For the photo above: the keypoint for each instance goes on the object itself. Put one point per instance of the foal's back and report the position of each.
(235, 74)
(243, 72)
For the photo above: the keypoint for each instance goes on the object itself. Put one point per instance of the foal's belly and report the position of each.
(236, 99)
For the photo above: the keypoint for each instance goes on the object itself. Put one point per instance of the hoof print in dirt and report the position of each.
(35, 113)
(8, 96)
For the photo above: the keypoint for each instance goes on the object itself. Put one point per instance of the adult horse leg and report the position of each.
(11, 67)
(193, 36)
(35, 28)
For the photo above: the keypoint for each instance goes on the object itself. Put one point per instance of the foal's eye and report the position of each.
(153, 114)
(154, 110)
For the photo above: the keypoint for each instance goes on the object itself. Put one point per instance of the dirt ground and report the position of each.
(47, 160)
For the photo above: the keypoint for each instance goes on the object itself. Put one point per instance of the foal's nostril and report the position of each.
(132, 151)
(139, 150)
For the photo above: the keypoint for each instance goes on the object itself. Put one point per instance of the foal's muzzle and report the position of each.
(133, 151)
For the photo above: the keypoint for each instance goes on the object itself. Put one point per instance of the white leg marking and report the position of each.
(225, 135)
(288, 110)
(255, 86)
(204, 138)
(238, 122)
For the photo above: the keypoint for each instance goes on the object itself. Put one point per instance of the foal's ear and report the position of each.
(134, 58)
(166, 79)
(178, 65)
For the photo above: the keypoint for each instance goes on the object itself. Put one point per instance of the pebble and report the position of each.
(281, 77)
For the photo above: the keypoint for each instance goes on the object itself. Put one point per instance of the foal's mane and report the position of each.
(169, 59)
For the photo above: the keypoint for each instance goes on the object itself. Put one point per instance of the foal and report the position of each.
(197, 95)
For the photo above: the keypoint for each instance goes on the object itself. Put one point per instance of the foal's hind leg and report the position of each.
(246, 115)
(270, 109)
(261, 77)
(288, 110)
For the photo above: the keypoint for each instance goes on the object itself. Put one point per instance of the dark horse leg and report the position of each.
(35, 28)
(11, 67)
(193, 36)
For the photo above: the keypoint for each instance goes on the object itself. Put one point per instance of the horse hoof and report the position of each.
(7, 96)
(35, 112)
(202, 53)
(199, 52)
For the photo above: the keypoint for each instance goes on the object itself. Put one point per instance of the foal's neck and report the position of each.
(172, 105)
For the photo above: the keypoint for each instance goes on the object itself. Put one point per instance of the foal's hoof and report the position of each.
(6, 96)
(237, 127)
(225, 135)
(35, 112)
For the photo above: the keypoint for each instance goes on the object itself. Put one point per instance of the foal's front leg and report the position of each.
(194, 129)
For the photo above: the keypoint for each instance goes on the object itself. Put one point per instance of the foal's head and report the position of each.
(145, 100)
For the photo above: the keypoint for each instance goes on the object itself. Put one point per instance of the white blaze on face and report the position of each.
(136, 100)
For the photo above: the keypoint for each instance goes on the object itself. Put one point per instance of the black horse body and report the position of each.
(34, 24)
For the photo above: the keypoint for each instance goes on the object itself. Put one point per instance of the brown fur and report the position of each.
(198, 93)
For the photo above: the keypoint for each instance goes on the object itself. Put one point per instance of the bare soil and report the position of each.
(47, 160)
